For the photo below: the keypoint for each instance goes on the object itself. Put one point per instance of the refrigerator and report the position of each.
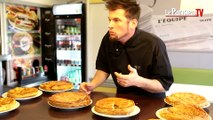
(64, 42)
(20, 38)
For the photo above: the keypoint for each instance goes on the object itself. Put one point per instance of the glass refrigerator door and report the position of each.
(68, 40)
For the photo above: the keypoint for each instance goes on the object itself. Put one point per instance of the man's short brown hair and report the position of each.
(131, 7)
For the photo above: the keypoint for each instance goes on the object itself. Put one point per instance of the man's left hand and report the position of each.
(128, 79)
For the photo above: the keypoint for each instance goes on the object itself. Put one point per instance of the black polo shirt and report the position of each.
(143, 51)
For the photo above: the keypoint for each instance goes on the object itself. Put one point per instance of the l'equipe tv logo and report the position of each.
(173, 12)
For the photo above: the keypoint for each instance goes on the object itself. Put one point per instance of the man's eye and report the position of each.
(116, 20)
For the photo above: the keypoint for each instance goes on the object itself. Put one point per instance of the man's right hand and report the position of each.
(86, 87)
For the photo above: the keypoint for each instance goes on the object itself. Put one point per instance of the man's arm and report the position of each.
(133, 79)
(98, 79)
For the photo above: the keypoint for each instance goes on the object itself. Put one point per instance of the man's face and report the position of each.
(118, 25)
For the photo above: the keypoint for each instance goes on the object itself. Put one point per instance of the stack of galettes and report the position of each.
(56, 86)
(184, 106)
(62, 98)
(10, 98)
(114, 106)
(8, 102)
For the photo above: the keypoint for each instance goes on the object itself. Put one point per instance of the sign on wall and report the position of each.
(185, 32)
(23, 39)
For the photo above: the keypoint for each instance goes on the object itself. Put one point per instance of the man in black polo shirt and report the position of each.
(137, 60)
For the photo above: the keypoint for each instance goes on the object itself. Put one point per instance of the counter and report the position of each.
(38, 109)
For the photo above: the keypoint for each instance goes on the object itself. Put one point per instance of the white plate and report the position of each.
(54, 91)
(135, 112)
(27, 98)
(207, 105)
(158, 114)
(71, 108)
(15, 107)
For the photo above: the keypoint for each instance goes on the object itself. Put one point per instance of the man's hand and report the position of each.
(128, 79)
(86, 87)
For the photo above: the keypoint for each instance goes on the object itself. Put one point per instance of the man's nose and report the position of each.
(110, 25)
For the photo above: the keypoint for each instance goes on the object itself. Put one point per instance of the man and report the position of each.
(137, 60)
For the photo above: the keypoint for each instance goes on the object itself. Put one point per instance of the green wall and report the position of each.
(193, 76)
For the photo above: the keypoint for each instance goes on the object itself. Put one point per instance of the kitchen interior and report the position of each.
(192, 69)
(36, 53)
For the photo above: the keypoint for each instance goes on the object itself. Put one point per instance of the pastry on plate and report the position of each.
(22, 92)
(7, 104)
(186, 98)
(56, 85)
(183, 112)
(114, 106)
(69, 99)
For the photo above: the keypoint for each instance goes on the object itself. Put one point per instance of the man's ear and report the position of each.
(133, 23)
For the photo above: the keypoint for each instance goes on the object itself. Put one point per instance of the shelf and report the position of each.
(33, 81)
